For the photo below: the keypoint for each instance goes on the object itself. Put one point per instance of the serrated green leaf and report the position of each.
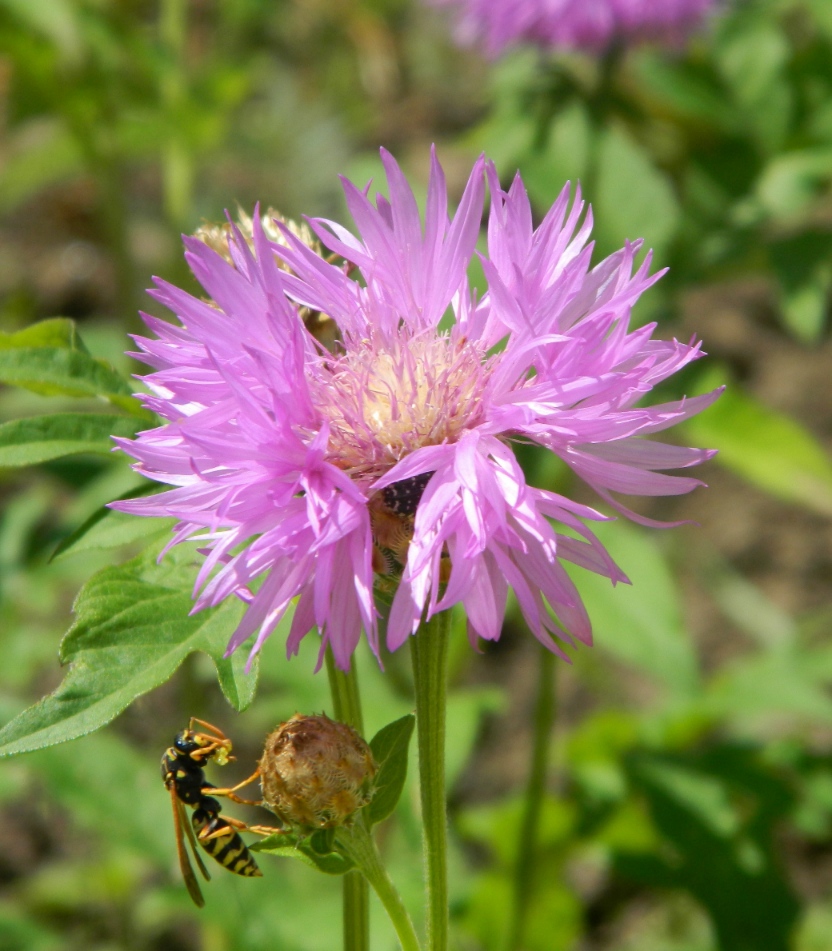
(769, 449)
(52, 371)
(27, 442)
(133, 629)
(390, 749)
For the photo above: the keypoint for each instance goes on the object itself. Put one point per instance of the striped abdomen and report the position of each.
(228, 849)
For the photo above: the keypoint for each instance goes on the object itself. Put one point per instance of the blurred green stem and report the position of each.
(524, 860)
(429, 652)
(177, 162)
(346, 702)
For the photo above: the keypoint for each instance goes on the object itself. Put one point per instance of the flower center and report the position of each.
(383, 402)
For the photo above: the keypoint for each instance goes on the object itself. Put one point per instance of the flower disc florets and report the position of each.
(320, 476)
(384, 401)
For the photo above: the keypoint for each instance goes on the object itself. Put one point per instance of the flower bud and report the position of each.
(316, 773)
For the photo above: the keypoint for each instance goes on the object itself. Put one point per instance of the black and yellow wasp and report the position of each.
(184, 777)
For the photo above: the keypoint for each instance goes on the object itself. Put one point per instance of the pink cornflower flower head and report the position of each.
(590, 25)
(325, 476)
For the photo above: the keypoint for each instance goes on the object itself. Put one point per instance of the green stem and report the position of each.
(429, 651)
(524, 862)
(346, 703)
(357, 843)
(177, 161)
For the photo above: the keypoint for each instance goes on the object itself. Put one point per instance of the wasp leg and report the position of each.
(230, 792)
(268, 830)
(231, 824)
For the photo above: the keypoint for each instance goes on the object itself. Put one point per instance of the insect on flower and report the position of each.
(318, 478)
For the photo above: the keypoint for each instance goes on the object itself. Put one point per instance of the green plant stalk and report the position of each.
(357, 843)
(346, 703)
(524, 860)
(177, 161)
(429, 652)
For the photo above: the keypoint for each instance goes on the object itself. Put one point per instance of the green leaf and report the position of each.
(718, 814)
(106, 528)
(27, 442)
(54, 332)
(390, 748)
(238, 684)
(769, 449)
(49, 358)
(633, 199)
(56, 19)
(133, 629)
(289, 847)
(61, 372)
(791, 181)
(640, 624)
(803, 267)
(322, 841)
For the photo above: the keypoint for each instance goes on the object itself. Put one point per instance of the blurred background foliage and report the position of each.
(689, 794)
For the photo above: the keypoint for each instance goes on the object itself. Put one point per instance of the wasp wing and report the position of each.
(183, 816)
(180, 820)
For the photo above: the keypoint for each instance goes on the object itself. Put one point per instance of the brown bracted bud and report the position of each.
(322, 327)
(316, 773)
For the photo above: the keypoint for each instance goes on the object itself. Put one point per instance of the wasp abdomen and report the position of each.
(228, 849)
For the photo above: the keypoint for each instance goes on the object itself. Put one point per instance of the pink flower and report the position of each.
(591, 25)
(388, 464)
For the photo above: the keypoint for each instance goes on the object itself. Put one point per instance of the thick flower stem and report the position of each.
(524, 861)
(429, 649)
(357, 843)
(346, 702)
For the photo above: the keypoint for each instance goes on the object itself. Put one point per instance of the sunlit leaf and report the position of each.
(633, 198)
(53, 372)
(133, 628)
(640, 624)
(769, 449)
(26, 442)
(54, 332)
(49, 358)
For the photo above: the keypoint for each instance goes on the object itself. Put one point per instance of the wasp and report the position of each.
(183, 775)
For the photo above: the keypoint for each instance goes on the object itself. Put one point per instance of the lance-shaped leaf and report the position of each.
(390, 747)
(133, 629)
(769, 449)
(27, 442)
(54, 332)
(49, 358)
